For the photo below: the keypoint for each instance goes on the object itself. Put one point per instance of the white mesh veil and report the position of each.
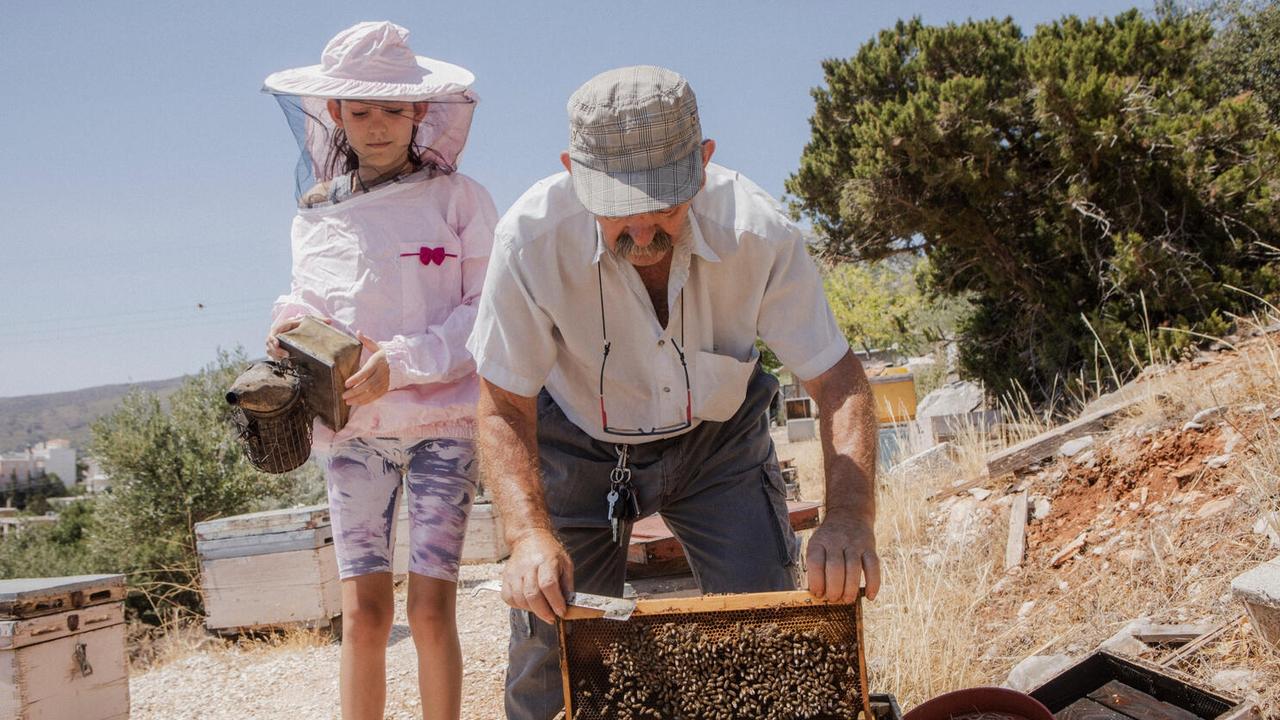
(437, 143)
(372, 61)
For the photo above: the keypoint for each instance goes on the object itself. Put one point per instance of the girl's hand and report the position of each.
(274, 351)
(373, 379)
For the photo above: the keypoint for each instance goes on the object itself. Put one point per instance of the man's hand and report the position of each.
(538, 576)
(842, 552)
(373, 379)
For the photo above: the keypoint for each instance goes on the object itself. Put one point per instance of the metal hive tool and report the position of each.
(590, 645)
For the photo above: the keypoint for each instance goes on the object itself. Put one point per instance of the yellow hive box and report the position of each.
(894, 390)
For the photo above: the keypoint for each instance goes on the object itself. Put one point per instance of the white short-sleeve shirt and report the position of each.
(743, 274)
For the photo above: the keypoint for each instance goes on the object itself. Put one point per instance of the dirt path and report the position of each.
(300, 681)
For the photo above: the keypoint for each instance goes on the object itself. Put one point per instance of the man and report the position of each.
(616, 346)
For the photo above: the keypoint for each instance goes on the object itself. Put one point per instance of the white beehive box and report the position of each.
(62, 648)
(269, 570)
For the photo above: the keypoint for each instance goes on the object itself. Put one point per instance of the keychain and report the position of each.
(623, 503)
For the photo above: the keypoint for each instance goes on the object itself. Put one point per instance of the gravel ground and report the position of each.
(300, 681)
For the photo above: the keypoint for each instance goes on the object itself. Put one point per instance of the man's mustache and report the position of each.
(625, 246)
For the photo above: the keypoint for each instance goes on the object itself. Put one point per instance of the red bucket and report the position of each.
(981, 703)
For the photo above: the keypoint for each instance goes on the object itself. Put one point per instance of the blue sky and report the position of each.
(147, 187)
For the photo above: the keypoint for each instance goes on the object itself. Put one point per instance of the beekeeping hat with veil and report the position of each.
(372, 61)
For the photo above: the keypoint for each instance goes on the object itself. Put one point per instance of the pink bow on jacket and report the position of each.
(427, 255)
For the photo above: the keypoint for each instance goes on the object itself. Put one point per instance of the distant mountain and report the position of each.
(28, 419)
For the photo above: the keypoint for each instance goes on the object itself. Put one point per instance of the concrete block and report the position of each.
(800, 429)
(1259, 590)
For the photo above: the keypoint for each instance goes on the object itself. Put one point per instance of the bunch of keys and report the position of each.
(624, 506)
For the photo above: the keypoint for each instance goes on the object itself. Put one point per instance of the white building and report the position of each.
(20, 469)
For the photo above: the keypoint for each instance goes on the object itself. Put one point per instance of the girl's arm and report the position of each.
(440, 354)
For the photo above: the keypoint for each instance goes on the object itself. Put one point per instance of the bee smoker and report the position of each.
(275, 402)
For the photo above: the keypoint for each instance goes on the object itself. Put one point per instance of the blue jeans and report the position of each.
(719, 489)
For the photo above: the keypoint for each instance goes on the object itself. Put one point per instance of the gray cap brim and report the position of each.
(620, 194)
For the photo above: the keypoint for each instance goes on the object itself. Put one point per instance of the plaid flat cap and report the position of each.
(635, 142)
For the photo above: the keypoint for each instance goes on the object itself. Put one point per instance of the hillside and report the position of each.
(28, 419)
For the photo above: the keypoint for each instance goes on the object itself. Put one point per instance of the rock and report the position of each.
(980, 493)
(1124, 642)
(1269, 524)
(1036, 670)
(1026, 609)
(1208, 414)
(1213, 507)
(1040, 508)
(1231, 438)
(937, 459)
(1132, 556)
(961, 521)
(1237, 681)
(1259, 590)
(1218, 461)
(1068, 551)
(956, 398)
(1071, 448)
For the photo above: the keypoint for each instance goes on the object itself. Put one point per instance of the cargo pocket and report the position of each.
(720, 384)
(775, 493)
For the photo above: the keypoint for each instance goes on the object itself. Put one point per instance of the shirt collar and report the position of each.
(699, 244)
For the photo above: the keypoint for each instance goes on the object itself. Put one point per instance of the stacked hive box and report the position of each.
(268, 570)
(62, 648)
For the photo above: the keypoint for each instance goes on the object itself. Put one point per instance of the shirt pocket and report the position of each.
(430, 278)
(720, 384)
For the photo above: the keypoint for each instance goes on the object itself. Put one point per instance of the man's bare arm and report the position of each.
(843, 549)
(539, 575)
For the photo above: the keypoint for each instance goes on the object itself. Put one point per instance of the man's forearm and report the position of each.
(507, 434)
(849, 439)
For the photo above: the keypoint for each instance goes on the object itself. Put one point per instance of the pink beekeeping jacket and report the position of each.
(404, 265)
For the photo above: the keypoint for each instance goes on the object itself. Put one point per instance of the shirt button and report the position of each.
(661, 343)
(666, 389)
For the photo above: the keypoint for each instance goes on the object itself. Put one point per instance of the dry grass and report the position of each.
(949, 617)
(153, 647)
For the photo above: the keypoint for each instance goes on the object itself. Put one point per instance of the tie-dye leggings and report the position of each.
(364, 479)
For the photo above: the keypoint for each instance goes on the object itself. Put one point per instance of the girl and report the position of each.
(391, 244)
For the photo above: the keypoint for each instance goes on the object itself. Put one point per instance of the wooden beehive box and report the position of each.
(62, 648)
(485, 542)
(587, 639)
(269, 570)
(1104, 685)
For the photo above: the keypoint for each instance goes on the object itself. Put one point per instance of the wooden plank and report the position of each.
(713, 603)
(261, 523)
(29, 597)
(1016, 547)
(28, 631)
(1136, 704)
(44, 681)
(265, 544)
(1086, 709)
(1170, 634)
(1194, 646)
(277, 589)
(1016, 457)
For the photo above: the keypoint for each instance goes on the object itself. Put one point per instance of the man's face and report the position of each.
(647, 238)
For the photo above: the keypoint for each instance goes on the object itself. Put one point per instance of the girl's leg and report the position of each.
(364, 486)
(441, 487)
(432, 619)
(368, 605)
